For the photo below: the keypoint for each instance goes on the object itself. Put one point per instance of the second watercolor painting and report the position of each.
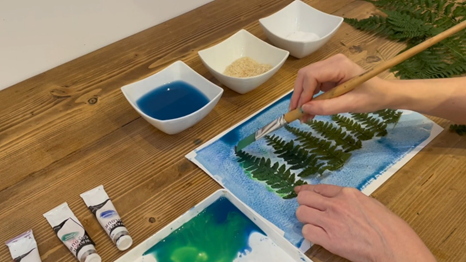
(352, 150)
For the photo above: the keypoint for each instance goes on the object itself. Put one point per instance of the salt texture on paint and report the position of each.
(221, 232)
(364, 167)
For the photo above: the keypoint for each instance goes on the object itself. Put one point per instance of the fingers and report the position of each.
(315, 234)
(308, 215)
(312, 199)
(298, 89)
(342, 104)
(322, 75)
(322, 189)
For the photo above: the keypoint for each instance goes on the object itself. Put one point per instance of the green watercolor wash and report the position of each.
(217, 234)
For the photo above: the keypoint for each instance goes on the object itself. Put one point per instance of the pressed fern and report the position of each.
(296, 156)
(459, 129)
(372, 123)
(280, 179)
(412, 22)
(389, 116)
(353, 127)
(335, 158)
(332, 132)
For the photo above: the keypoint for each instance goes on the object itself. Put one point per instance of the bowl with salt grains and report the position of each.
(243, 62)
(300, 28)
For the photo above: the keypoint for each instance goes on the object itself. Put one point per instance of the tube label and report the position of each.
(73, 235)
(109, 219)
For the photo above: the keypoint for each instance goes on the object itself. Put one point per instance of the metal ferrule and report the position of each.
(274, 125)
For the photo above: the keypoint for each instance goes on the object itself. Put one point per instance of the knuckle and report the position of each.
(300, 212)
(306, 232)
(341, 57)
(349, 191)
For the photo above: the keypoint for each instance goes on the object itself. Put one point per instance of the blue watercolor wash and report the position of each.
(173, 100)
(365, 165)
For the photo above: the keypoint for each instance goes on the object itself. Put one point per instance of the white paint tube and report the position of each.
(102, 207)
(23, 248)
(72, 233)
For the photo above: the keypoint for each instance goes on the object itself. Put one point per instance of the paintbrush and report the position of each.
(349, 85)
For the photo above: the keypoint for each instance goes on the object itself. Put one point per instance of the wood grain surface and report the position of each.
(70, 129)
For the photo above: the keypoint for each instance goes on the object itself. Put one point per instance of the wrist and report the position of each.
(396, 95)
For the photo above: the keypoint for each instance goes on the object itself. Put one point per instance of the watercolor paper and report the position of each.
(367, 169)
(267, 245)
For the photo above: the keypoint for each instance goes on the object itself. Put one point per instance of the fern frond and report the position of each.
(335, 133)
(389, 116)
(371, 123)
(324, 149)
(353, 127)
(459, 129)
(296, 156)
(280, 179)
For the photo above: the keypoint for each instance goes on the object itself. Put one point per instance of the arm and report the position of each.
(445, 98)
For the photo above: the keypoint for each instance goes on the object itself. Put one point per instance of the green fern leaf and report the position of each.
(459, 129)
(414, 21)
(280, 179)
(295, 156)
(334, 157)
(335, 133)
(354, 128)
(389, 116)
(372, 123)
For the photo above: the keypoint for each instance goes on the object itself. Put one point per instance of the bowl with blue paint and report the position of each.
(173, 99)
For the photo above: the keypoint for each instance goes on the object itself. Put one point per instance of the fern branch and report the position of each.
(372, 123)
(389, 116)
(280, 179)
(459, 129)
(353, 127)
(335, 158)
(335, 133)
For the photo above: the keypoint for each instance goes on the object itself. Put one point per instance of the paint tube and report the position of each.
(102, 207)
(24, 248)
(72, 233)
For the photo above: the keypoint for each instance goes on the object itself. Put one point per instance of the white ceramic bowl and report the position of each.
(300, 18)
(217, 58)
(175, 72)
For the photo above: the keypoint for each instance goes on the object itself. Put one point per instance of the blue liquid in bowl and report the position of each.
(173, 100)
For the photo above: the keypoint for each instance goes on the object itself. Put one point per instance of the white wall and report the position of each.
(37, 35)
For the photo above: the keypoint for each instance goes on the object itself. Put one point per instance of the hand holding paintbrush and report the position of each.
(349, 85)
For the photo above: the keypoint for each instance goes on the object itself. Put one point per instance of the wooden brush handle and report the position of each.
(358, 80)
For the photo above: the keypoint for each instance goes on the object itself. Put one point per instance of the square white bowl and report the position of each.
(300, 17)
(242, 44)
(177, 71)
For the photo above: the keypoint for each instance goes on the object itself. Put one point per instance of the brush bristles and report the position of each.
(245, 142)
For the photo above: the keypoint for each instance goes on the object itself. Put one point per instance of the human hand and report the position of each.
(354, 226)
(327, 74)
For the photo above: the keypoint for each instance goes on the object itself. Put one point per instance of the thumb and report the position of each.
(328, 107)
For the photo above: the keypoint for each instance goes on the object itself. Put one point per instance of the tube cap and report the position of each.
(93, 258)
(124, 242)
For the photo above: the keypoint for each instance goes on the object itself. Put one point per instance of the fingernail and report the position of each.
(297, 188)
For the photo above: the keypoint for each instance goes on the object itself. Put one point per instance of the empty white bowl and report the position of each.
(300, 28)
(177, 71)
(242, 44)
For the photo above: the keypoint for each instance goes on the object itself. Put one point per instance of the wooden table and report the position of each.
(70, 129)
